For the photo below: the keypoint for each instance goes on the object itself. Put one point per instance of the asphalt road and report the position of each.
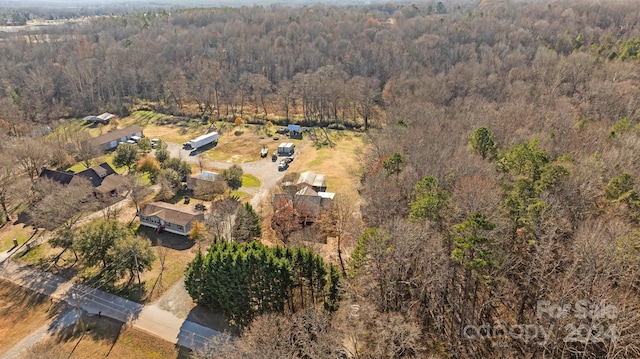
(151, 319)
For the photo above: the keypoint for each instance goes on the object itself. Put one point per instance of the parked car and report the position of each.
(283, 165)
(154, 142)
(288, 159)
(274, 157)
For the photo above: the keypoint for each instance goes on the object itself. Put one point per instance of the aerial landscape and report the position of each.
(319, 179)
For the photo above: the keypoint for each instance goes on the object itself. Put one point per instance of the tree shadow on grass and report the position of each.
(25, 299)
(213, 319)
(134, 291)
(94, 328)
(183, 353)
(205, 329)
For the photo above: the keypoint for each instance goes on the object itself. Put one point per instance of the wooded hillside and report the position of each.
(499, 188)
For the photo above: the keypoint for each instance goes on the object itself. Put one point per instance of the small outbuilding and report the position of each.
(203, 177)
(313, 180)
(103, 118)
(295, 131)
(286, 149)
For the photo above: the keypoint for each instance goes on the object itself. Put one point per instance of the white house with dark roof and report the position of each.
(164, 216)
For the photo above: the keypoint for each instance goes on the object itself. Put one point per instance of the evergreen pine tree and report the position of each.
(246, 226)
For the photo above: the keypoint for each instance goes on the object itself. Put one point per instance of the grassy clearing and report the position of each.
(178, 252)
(105, 337)
(157, 125)
(340, 163)
(243, 144)
(71, 126)
(145, 118)
(9, 231)
(22, 312)
(250, 181)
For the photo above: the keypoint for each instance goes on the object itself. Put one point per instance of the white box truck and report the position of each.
(202, 141)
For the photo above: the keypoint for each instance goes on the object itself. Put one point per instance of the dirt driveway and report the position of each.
(266, 170)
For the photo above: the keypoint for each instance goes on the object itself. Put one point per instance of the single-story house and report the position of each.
(103, 118)
(105, 181)
(313, 180)
(204, 176)
(164, 216)
(286, 149)
(110, 141)
(295, 131)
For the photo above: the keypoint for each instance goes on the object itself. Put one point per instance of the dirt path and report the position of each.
(176, 300)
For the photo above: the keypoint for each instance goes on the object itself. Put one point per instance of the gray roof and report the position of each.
(312, 179)
(116, 135)
(102, 177)
(106, 116)
(171, 213)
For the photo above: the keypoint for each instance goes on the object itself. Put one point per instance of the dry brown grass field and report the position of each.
(340, 163)
(101, 338)
(21, 313)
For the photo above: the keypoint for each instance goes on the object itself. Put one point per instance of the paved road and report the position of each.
(151, 319)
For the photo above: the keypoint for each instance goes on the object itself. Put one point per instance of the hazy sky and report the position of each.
(154, 3)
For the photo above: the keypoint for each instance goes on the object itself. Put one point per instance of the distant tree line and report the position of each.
(320, 64)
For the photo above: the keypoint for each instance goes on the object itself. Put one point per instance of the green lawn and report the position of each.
(145, 117)
(250, 181)
(35, 255)
(10, 232)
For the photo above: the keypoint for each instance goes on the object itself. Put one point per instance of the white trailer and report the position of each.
(286, 149)
(202, 141)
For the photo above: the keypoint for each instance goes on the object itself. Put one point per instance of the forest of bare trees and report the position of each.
(499, 186)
